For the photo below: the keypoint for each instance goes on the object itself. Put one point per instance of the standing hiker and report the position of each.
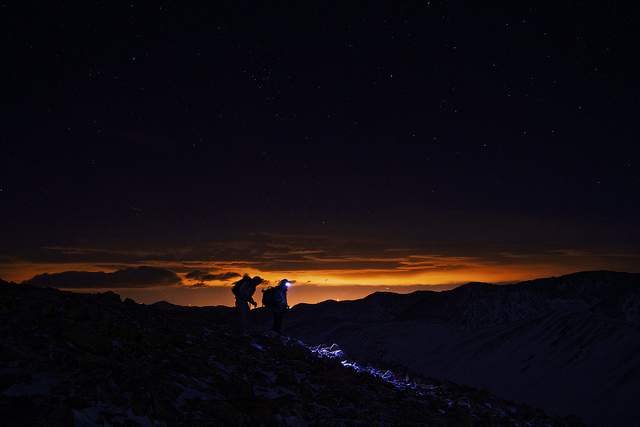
(243, 289)
(275, 299)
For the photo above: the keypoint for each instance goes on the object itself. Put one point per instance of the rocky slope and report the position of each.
(85, 360)
(570, 344)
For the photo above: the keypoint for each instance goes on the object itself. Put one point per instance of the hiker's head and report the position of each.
(257, 280)
(284, 283)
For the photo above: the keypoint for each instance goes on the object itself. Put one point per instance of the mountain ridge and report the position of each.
(558, 342)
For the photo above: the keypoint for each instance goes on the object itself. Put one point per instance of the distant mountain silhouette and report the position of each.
(92, 359)
(167, 306)
(568, 344)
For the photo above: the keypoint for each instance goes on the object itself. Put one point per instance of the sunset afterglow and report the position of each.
(324, 272)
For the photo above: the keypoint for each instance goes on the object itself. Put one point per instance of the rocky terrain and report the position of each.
(92, 359)
(569, 345)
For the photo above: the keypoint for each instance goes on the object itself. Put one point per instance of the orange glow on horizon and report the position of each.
(330, 277)
(403, 272)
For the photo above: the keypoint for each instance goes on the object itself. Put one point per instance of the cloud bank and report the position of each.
(134, 277)
(342, 259)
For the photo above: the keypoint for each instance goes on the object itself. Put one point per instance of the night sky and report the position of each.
(413, 143)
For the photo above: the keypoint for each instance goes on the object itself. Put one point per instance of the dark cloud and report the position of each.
(204, 276)
(222, 276)
(196, 274)
(198, 285)
(135, 277)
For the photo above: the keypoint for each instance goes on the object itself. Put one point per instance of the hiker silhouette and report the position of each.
(275, 299)
(244, 289)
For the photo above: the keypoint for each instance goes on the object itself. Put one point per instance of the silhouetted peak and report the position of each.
(598, 273)
(382, 296)
(603, 276)
(164, 305)
(473, 287)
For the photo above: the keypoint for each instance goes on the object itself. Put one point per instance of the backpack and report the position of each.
(269, 297)
(242, 290)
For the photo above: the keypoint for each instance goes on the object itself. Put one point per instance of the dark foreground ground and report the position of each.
(85, 360)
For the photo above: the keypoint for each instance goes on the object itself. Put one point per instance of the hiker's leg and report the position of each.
(282, 313)
(243, 309)
(245, 315)
(277, 321)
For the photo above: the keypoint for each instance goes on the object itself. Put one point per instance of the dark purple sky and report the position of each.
(142, 133)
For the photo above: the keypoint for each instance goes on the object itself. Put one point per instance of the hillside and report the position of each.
(92, 359)
(570, 344)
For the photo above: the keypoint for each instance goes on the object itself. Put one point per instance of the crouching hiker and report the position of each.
(244, 289)
(275, 299)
